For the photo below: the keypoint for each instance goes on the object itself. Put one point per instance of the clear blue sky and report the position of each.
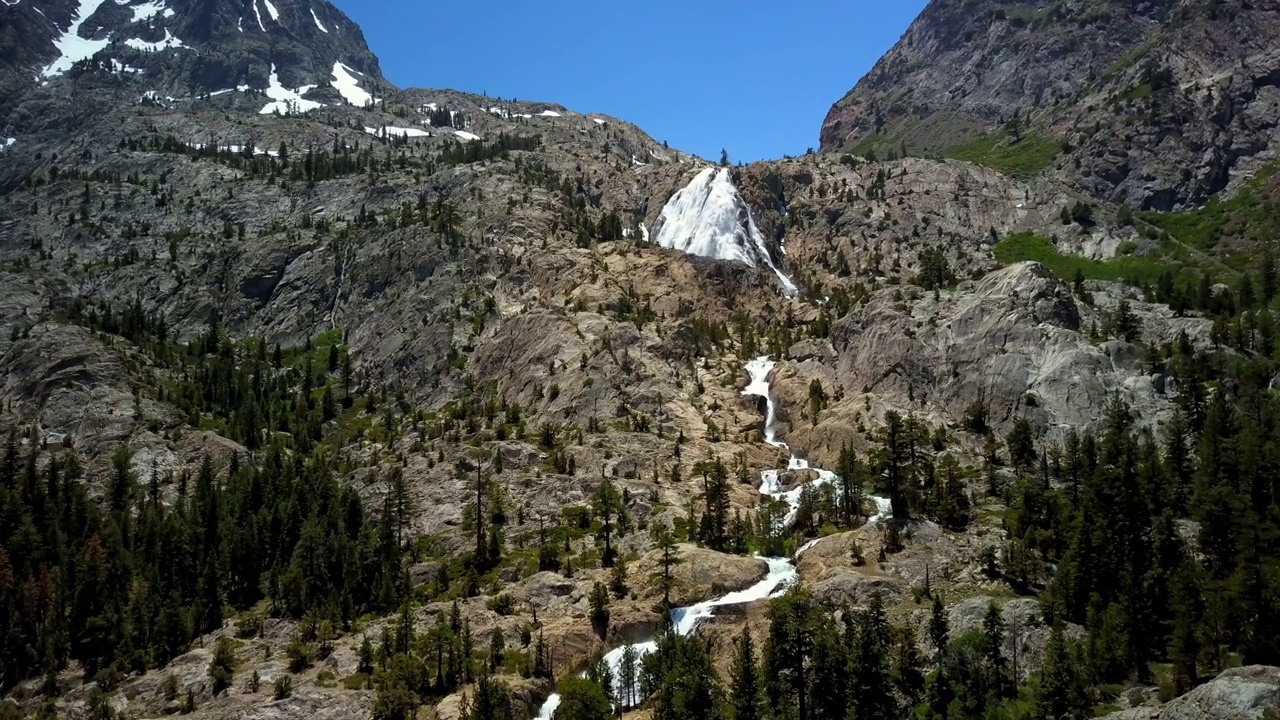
(750, 76)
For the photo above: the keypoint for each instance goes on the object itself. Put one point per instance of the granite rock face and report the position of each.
(1156, 103)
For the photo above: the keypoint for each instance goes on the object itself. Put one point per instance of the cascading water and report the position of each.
(758, 371)
(709, 218)
(782, 571)
(781, 575)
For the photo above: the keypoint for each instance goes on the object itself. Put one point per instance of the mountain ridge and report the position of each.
(1101, 80)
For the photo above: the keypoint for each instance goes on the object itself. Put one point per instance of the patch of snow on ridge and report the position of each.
(118, 67)
(705, 218)
(147, 10)
(169, 41)
(258, 15)
(71, 47)
(345, 82)
(286, 100)
(390, 131)
(466, 135)
(320, 25)
(236, 149)
(238, 88)
(271, 9)
(548, 113)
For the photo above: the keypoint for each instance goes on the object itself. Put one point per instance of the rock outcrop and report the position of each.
(1244, 693)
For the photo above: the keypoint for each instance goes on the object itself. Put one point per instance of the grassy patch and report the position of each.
(1023, 158)
(931, 136)
(1251, 215)
(1130, 59)
(1027, 246)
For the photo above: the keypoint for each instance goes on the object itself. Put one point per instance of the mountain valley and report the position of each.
(326, 398)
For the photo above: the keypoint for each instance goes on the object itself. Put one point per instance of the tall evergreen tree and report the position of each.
(745, 688)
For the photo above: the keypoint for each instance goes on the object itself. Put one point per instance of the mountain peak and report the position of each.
(186, 46)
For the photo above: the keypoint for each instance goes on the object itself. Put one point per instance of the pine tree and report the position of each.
(606, 505)
(869, 665)
(629, 678)
(993, 651)
(714, 525)
(618, 578)
(908, 678)
(490, 699)
(600, 609)
(1060, 696)
(222, 666)
(794, 622)
(847, 468)
(583, 699)
(745, 688)
(664, 578)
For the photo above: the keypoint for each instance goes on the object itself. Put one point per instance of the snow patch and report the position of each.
(599, 121)
(271, 9)
(258, 15)
(71, 47)
(7, 142)
(548, 113)
(706, 218)
(345, 82)
(168, 42)
(149, 10)
(285, 100)
(118, 68)
(466, 135)
(319, 24)
(236, 149)
(156, 97)
(389, 131)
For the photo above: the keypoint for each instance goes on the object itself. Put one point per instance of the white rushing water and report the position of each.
(781, 575)
(709, 218)
(782, 571)
(758, 386)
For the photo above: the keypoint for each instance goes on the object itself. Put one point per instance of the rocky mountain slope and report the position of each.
(549, 297)
(1157, 105)
(172, 48)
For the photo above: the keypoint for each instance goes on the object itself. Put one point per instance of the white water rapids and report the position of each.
(782, 571)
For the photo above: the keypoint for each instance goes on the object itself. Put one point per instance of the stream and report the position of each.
(782, 571)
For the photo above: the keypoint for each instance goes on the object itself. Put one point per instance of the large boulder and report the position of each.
(700, 575)
(1236, 694)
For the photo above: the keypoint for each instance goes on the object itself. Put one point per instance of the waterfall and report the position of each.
(782, 571)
